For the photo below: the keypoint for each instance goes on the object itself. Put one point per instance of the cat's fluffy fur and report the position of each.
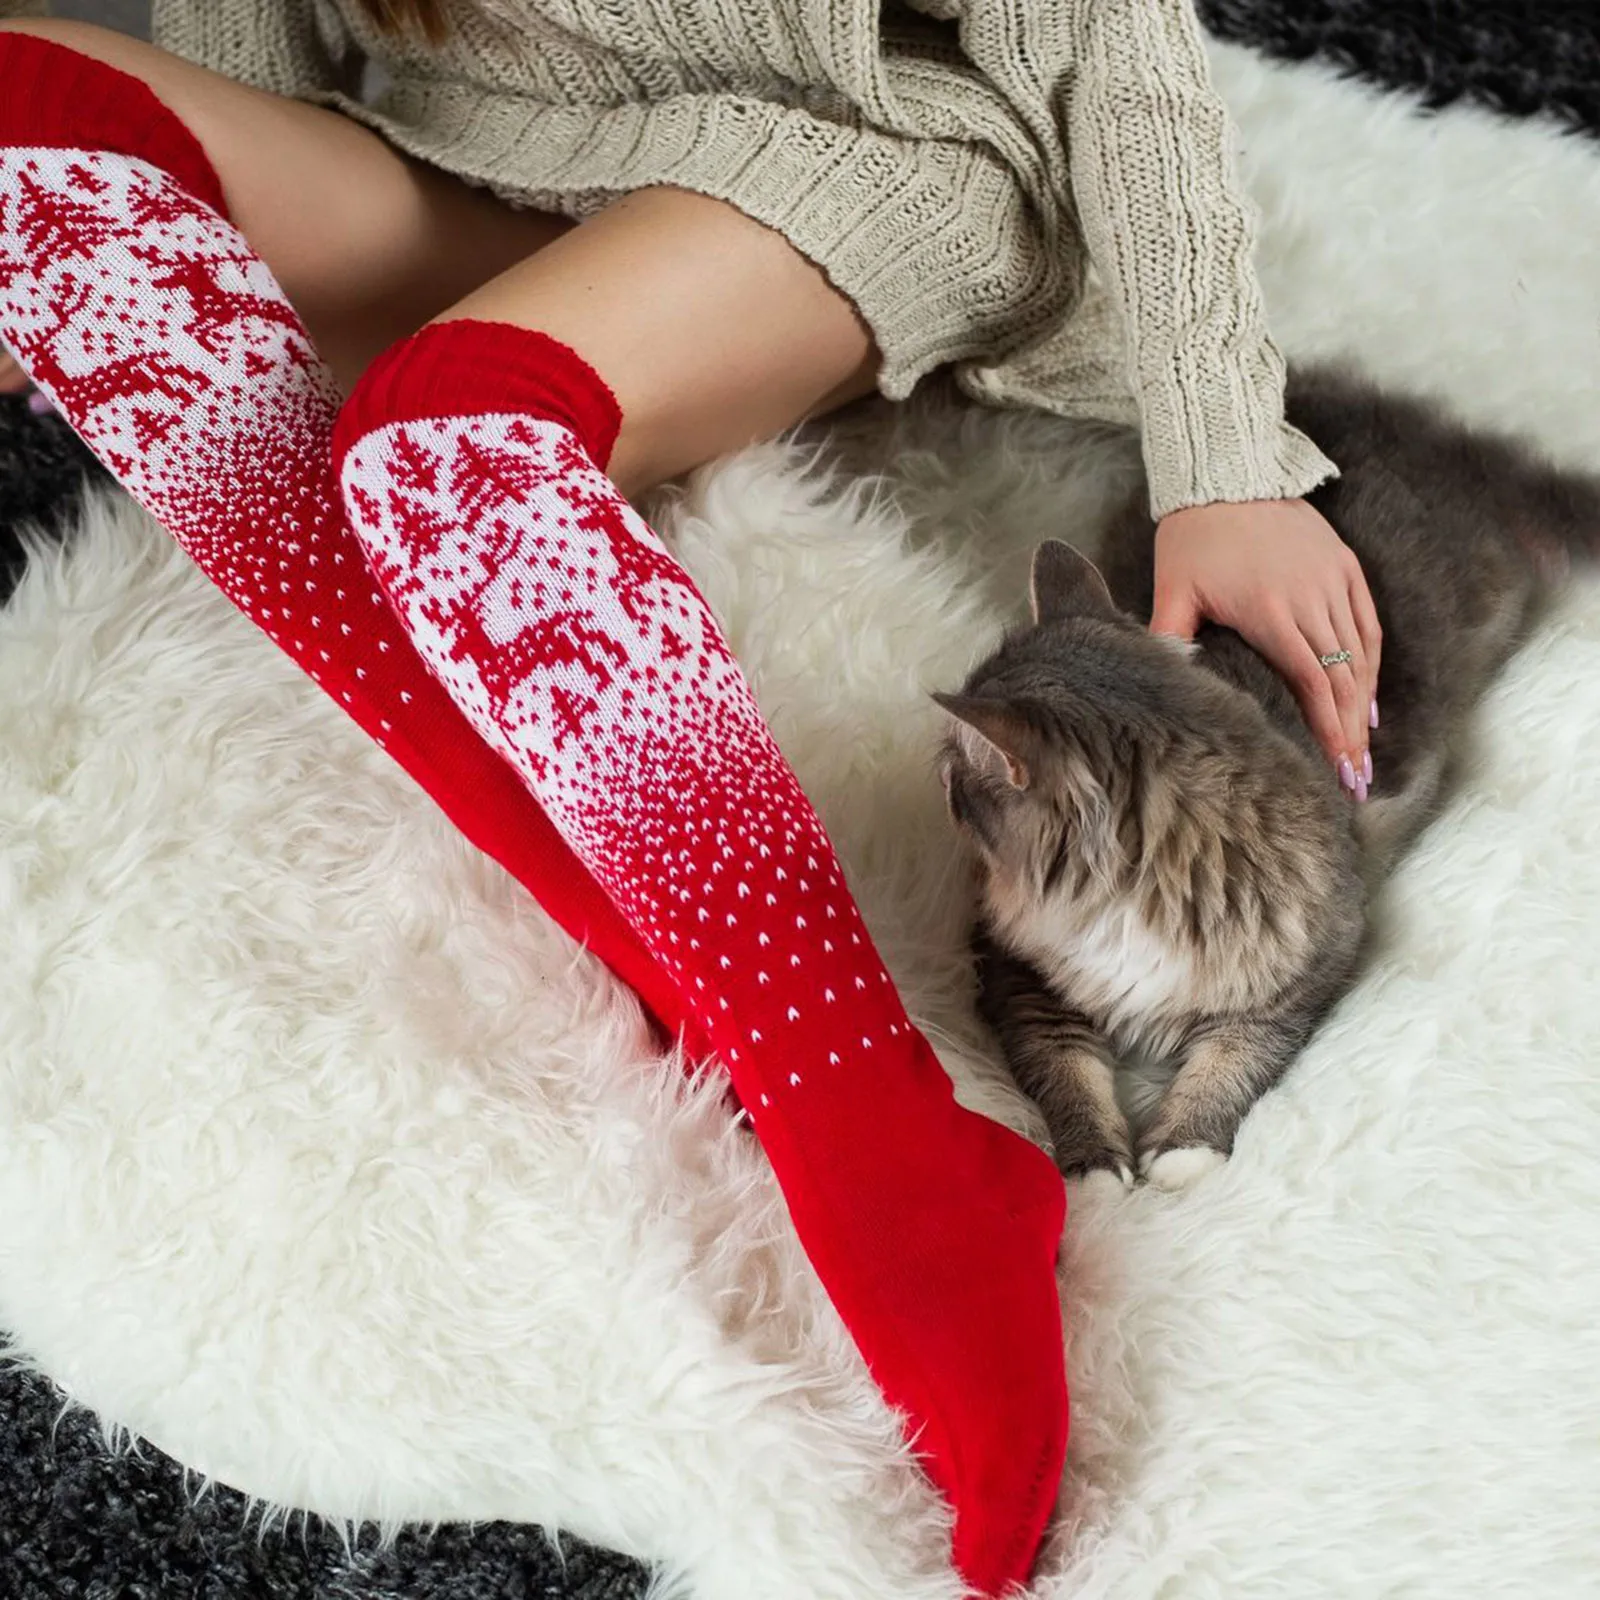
(1169, 871)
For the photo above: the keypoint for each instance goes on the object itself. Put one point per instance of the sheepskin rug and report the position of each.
(330, 1167)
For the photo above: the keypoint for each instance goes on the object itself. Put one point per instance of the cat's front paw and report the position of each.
(1106, 1182)
(1101, 1164)
(1182, 1168)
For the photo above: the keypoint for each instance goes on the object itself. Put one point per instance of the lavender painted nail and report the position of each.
(1361, 789)
(1372, 714)
(1347, 773)
(38, 405)
(1366, 768)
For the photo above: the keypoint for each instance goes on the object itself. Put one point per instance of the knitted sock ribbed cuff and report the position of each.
(57, 97)
(468, 367)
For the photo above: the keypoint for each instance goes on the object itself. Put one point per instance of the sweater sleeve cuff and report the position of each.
(1224, 439)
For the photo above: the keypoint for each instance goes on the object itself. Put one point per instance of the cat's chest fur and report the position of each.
(1106, 960)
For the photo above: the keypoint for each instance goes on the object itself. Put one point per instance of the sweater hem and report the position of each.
(916, 240)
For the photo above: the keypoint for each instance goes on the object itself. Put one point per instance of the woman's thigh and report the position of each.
(712, 330)
(367, 244)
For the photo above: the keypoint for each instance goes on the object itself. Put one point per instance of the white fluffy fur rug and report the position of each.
(328, 1166)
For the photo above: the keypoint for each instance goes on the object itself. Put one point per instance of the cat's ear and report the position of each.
(1066, 584)
(1004, 731)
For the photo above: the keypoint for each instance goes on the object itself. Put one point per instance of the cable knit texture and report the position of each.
(1042, 195)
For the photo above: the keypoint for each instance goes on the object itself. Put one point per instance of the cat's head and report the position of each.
(1069, 722)
(1092, 762)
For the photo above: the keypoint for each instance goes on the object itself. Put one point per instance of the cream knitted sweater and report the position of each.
(1040, 192)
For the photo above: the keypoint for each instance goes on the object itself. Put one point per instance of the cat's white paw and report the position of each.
(1179, 1169)
(1106, 1183)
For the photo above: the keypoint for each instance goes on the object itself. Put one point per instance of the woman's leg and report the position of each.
(472, 461)
(158, 332)
(167, 342)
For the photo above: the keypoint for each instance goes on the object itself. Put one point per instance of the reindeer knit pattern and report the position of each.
(954, 166)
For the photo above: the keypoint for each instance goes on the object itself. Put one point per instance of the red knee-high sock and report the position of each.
(470, 464)
(154, 328)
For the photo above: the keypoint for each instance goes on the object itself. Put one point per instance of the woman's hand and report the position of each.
(1275, 572)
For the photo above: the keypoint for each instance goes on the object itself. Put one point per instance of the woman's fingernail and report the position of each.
(1347, 773)
(1361, 788)
(1372, 714)
(39, 405)
(1366, 767)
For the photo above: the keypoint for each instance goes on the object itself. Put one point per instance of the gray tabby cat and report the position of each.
(1169, 871)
